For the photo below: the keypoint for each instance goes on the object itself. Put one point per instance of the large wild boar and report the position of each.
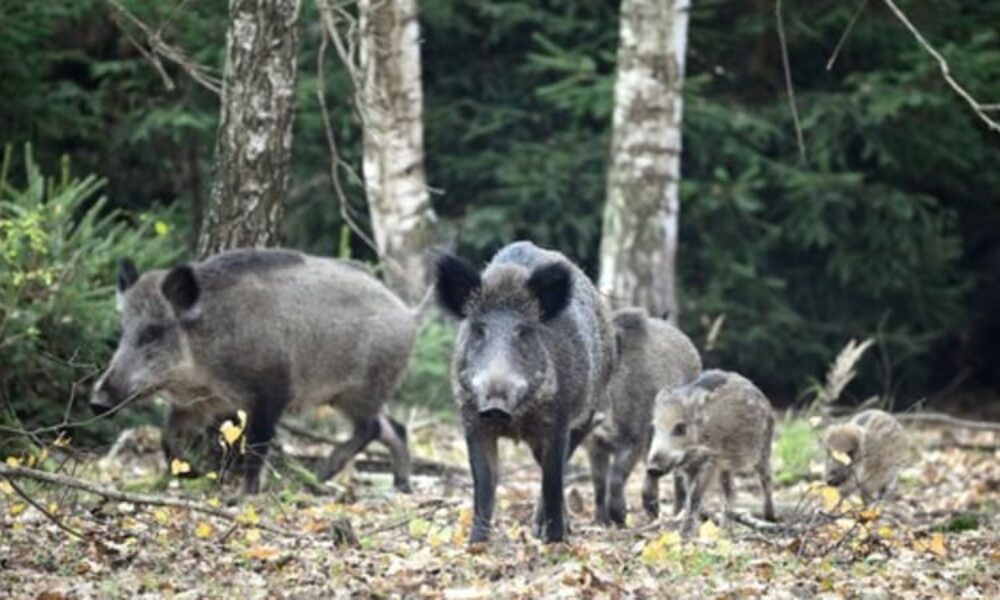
(720, 423)
(262, 331)
(866, 454)
(652, 355)
(532, 360)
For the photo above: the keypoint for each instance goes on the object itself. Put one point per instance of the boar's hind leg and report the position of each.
(392, 433)
(482, 448)
(764, 473)
(598, 456)
(365, 430)
(622, 462)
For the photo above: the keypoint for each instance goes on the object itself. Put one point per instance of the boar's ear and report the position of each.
(127, 274)
(456, 281)
(552, 285)
(180, 288)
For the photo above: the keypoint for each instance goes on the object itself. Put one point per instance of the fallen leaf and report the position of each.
(252, 536)
(203, 530)
(418, 527)
(5, 488)
(13, 462)
(262, 552)
(248, 516)
(160, 516)
(16, 508)
(179, 467)
(708, 531)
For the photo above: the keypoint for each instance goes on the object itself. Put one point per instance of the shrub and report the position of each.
(58, 250)
(428, 381)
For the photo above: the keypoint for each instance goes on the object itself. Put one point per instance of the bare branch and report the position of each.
(157, 48)
(945, 69)
(38, 506)
(12, 473)
(788, 81)
(843, 36)
(948, 420)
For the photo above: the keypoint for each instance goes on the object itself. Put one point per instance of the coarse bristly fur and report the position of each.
(533, 357)
(652, 355)
(719, 424)
(866, 454)
(261, 331)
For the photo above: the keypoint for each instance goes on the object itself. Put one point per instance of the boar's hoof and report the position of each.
(656, 472)
(479, 535)
(617, 515)
(403, 486)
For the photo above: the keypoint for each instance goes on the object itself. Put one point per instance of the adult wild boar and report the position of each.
(532, 359)
(652, 355)
(262, 331)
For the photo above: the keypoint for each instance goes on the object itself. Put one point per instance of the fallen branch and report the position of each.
(38, 506)
(943, 419)
(65, 481)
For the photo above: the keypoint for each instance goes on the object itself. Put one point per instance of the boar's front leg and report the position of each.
(552, 458)
(178, 426)
(482, 447)
(265, 412)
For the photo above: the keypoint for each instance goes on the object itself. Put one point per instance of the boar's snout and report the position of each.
(106, 396)
(659, 464)
(495, 410)
(836, 477)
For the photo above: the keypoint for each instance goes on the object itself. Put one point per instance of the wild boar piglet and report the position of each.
(866, 454)
(651, 354)
(718, 424)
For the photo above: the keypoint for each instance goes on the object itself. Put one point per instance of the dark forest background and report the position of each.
(889, 229)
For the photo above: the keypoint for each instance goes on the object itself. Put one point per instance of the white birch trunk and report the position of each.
(391, 106)
(639, 240)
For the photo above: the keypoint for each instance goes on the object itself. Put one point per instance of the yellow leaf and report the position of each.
(885, 532)
(16, 508)
(458, 538)
(840, 457)
(53, 507)
(62, 441)
(44, 454)
(933, 544)
(656, 550)
(179, 467)
(439, 537)
(868, 515)
(160, 516)
(6, 488)
(815, 421)
(708, 531)
(262, 552)
(13, 462)
(830, 497)
(212, 475)
(418, 527)
(213, 502)
(248, 516)
(161, 228)
(465, 517)
(252, 536)
(203, 530)
(230, 432)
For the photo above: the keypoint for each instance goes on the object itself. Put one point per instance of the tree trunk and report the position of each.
(391, 106)
(639, 243)
(254, 140)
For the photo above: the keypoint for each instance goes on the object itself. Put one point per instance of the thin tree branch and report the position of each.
(843, 36)
(943, 64)
(788, 81)
(38, 506)
(157, 47)
(943, 419)
(12, 473)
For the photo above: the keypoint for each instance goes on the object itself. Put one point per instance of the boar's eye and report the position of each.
(679, 430)
(477, 330)
(523, 332)
(150, 334)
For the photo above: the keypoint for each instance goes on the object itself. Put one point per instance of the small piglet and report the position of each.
(718, 424)
(262, 331)
(866, 454)
(652, 355)
(532, 359)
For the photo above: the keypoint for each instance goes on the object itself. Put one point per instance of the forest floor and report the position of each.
(938, 539)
